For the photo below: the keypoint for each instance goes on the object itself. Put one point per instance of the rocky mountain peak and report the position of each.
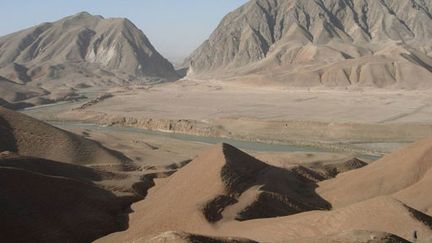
(321, 42)
(83, 43)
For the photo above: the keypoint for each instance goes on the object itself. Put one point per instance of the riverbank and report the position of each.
(371, 122)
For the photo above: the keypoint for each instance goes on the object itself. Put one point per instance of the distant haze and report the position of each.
(174, 27)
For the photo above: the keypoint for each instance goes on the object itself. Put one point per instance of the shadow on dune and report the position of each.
(147, 181)
(127, 164)
(14, 106)
(7, 139)
(173, 236)
(284, 192)
(49, 201)
(39, 139)
(54, 203)
(54, 168)
(275, 191)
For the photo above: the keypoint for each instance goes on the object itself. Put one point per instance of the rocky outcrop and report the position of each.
(82, 45)
(321, 43)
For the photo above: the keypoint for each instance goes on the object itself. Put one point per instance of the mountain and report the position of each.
(81, 49)
(113, 45)
(366, 43)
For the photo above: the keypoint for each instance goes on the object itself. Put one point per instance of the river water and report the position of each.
(256, 146)
(245, 145)
(44, 112)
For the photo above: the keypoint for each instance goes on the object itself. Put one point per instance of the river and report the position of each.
(245, 145)
(45, 112)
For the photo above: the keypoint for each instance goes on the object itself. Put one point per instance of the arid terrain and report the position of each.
(222, 193)
(295, 121)
(285, 184)
(331, 43)
(367, 121)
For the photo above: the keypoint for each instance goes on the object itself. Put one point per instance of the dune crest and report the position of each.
(30, 137)
(221, 185)
(226, 192)
(404, 174)
(181, 237)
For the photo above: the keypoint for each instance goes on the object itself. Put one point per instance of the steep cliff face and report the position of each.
(81, 43)
(378, 43)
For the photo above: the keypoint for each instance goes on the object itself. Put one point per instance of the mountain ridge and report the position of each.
(82, 43)
(321, 43)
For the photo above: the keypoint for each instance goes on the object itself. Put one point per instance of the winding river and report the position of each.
(44, 112)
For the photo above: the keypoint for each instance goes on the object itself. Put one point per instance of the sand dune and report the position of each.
(181, 237)
(221, 185)
(404, 174)
(382, 214)
(52, 188)
(118, 182)
(30, 137)
(49, 201)
(286, 72)
(356, 236)
(334, 169)
(225, 192)
(223, 195)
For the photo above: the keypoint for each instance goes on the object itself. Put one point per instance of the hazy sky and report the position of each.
(175, 27)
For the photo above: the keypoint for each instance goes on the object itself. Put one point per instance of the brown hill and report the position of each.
(221, 185)
(78, 51)
(226, 192)
(321, 43)
(29, 137)
(48, 201)
(357, 236)
(382, 214)
(404, 174)
(83, 43)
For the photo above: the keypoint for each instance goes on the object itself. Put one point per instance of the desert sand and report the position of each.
(365, 121)
(296, 121)
(225, 192)
(51, 201)
(59, 186)
(220, 195)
